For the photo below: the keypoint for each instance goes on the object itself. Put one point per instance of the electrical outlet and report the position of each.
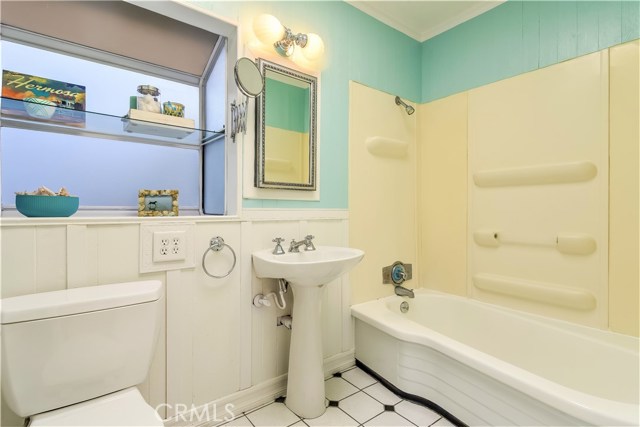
(166, 246)
(169, 246)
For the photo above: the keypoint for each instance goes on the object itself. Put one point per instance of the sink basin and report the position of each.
(307, 268)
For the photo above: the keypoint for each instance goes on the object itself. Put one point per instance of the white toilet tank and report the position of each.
(60, 348)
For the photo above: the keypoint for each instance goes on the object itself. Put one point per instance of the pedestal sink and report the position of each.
(307, 272)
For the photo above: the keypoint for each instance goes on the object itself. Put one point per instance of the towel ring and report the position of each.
(216, 245)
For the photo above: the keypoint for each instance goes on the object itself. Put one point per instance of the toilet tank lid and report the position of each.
(77, 300)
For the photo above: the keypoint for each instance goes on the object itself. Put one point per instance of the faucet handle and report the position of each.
(396, 273)
(278, 249)
(308, 243)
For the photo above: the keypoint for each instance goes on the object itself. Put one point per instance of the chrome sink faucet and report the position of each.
(308, 244)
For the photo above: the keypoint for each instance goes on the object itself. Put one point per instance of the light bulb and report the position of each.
(314, 48)
(268, 29)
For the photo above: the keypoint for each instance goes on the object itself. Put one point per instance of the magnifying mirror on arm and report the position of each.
(248, 77)
(250, 82)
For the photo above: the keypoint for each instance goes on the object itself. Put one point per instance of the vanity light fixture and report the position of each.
(270, 31)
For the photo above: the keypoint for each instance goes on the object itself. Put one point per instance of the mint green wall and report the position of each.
(521, 36)
(357, 47)
(513, 38)
(287, 106)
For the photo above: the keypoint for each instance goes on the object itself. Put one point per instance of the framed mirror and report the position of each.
(286, 154)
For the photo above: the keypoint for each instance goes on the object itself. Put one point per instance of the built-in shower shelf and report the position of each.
(560, 173)
(547, 293)
(381, 146)
(566, 243)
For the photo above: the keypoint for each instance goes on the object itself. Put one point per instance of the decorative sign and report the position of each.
(42, 99)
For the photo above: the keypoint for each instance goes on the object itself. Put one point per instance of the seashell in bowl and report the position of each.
(40, 108)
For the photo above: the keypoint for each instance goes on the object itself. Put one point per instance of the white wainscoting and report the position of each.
(214, 343)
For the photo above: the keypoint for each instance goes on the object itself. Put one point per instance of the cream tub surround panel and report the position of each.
(624, 188)
(214, 344)
(442, 194)
(382, 188)
(567, 134)
(552, 139)
(538, 180)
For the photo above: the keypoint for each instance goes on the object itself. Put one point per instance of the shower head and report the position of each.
(408, 108)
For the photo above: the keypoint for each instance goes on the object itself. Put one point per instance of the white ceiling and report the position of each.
(423, 19)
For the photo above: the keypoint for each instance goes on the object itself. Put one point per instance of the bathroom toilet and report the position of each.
(74, 357)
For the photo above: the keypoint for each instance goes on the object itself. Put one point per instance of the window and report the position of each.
(107, 172)
(103, 173)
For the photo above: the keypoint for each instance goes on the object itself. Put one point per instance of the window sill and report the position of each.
(11, 217)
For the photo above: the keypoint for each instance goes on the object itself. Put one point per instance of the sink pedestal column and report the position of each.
(305, 382)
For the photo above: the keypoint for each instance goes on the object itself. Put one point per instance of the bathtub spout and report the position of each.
(404, 292)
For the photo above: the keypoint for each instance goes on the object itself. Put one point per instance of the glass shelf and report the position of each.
(27, 115)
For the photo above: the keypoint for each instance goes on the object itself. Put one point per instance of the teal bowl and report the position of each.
(46, 206)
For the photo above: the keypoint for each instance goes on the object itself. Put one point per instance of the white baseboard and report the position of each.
(339, 362)
(252, 397)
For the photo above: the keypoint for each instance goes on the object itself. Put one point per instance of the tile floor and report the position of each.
(354, 398)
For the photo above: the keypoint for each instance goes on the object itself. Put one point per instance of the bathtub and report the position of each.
(488, 365)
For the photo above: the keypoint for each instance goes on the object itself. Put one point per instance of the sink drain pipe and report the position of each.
(261, 300)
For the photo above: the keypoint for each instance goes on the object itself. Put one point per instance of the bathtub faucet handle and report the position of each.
(396, 273)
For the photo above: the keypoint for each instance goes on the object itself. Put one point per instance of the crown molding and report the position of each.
(367, 8)
(478, 9)
(422, 35)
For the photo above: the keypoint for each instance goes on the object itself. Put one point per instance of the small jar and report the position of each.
(149, 90)
(150, 99)
(173, 109)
